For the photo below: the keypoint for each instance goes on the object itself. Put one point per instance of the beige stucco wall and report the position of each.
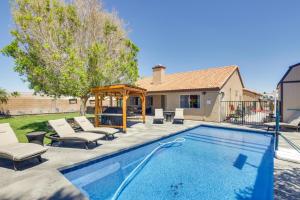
(209, 104)
(233, 89)
(291, 101)
(291, 95)
(27, 104)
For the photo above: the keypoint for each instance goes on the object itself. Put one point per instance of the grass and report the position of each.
(29, 123)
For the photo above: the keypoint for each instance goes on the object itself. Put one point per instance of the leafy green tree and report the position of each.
(4, 95)
(67, 47)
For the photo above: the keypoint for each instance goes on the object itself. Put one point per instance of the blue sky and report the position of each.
(261, 37)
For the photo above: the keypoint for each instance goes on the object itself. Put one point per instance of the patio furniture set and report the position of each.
(161, 115)
(12, 149)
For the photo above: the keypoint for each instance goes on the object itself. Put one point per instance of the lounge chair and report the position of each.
(66, 133)
(87, 126)
(295, 123)
(178, 118)
(11, 149)
(159, 116)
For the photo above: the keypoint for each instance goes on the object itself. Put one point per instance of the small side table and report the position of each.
(36, 137)
(169, 115)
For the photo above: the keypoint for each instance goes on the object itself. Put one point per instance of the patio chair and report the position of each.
(66, 133)
(295, 123)
(11, 149)
(178, 118)
(87, 126)
(159, 116)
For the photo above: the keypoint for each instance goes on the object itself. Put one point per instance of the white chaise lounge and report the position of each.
(295, 123)
(178, 118)
(159, 116)
(66, 133)
(11, 149)
(87, 126)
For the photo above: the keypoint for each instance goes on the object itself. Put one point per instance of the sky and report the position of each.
(261, 37)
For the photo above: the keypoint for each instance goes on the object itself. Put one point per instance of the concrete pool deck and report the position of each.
(44, 181)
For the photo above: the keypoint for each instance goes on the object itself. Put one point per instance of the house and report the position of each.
(250, 95)
(199, 92)
(289, 93)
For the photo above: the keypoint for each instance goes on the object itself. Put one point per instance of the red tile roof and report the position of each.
(204, 79)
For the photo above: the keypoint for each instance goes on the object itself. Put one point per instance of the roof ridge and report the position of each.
(191, 71)
(206, 69)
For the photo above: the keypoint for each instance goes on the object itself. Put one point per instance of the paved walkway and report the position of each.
(287, 174)
(44, 181)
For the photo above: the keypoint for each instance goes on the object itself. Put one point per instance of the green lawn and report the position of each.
(28, 123)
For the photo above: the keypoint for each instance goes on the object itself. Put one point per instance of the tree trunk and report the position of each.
(83, 101)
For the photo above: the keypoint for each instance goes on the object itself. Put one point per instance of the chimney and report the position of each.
(158, 74)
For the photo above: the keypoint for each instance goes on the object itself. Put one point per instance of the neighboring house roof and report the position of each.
(204, 79)
(287, 72)
(252, 92)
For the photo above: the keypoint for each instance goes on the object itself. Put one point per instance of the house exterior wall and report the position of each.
(209, 104)
(291, 95)
(233, 88)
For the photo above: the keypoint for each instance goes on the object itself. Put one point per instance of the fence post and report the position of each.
(277, 126)
(243, 112)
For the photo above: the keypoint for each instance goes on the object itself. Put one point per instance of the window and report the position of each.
(190, 101)
(184, 101)
(149, 101)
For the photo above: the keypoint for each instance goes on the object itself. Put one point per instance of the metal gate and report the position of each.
(247, 112)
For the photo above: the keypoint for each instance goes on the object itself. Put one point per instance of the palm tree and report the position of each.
(4, 95)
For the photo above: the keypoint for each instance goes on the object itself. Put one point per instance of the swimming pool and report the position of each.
(212, 163)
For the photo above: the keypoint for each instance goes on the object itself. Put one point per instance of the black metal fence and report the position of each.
(247, 112)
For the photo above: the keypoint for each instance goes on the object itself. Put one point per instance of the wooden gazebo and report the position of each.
(122, 92)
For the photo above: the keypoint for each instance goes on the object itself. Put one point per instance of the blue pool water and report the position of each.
(212, 163)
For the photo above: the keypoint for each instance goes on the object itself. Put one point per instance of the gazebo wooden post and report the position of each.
(96, 110)
(124, 110)
(143, 98)
(121, 91)
(100, 108)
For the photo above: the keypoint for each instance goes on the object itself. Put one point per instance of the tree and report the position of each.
(66, 47)
(4, 95)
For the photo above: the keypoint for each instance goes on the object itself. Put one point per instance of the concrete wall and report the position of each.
(35, 104)
(29, 104)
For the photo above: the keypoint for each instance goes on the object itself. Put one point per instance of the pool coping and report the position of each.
(79, 165)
